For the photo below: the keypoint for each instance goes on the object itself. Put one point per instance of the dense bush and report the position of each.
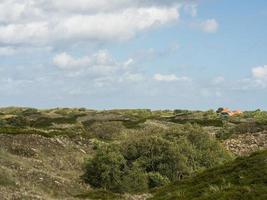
(17, 121)
(146, 161)
(106, 169)
(155, 179)
(202, 151)
(104, 130)
(244, 178)
(155, 154)
(240, 128)
(259, 116)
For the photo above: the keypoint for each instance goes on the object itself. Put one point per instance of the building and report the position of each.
(228, 112)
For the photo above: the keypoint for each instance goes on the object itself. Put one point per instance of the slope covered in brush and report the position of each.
(244, 178)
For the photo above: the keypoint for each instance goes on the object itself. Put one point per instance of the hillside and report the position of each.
(35, 167)
(245, 178)
(47, 154)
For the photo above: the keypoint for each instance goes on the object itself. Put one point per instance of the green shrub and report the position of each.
(201, 150)
(106, 130)
(100, 195)
(146, 161)
(134, 180)
(17, 121)
(106, 169)
(125, 167)
(155, 179)
(156, 154)
(244, 178)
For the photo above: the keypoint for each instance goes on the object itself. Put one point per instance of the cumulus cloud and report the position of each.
(209, 26)
(260, 72)
(101, 59)
(100, 66)
(39, 22)
(170, 78)
(29, 33)
(65, 61)
(110, 26)
(103, 5)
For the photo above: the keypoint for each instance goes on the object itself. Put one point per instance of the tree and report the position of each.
(106, 168)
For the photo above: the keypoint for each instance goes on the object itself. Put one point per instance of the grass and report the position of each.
(6, 178)
(243, 179)
(99, 195)
(34, 131)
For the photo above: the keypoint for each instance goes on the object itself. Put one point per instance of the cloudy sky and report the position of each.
(154, 54)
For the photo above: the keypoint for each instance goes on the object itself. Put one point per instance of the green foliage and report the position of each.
(100, 195)
(137, 150)
(130, 154)
(202, 151)
(134, 180)
(33, 131)
(240, 128)
(155, 154)
(106, 168)
(146, 161)
(6, 178)
(124, 168)
(17, 121)
(259, 116)
(203, 118)
(43, 122)
(105, 130)
(134, 123)
(245, 178)
(30, 112)
(224, 133)
(181, 112)
(155, 179)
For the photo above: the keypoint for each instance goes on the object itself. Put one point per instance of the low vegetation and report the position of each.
(105, 154)
(245, 178)
(140, 162)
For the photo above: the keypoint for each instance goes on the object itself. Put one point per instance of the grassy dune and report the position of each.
(243, 179)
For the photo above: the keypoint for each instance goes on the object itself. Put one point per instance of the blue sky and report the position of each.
(105, 54)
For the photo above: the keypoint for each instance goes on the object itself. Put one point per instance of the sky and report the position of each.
(107, 54)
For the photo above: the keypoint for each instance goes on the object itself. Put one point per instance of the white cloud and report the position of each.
(65, 61)
(170, 78)
(19, 11)
(29, 33)
(110, 26)
(209, 26)
(102, 5)
(135, 77)
(129, 62)
(12, 50)
(40, 22)
(167, 78)
(100, 66)
(98, 61)
(260, 72)
(218, 80)
(7, 51)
